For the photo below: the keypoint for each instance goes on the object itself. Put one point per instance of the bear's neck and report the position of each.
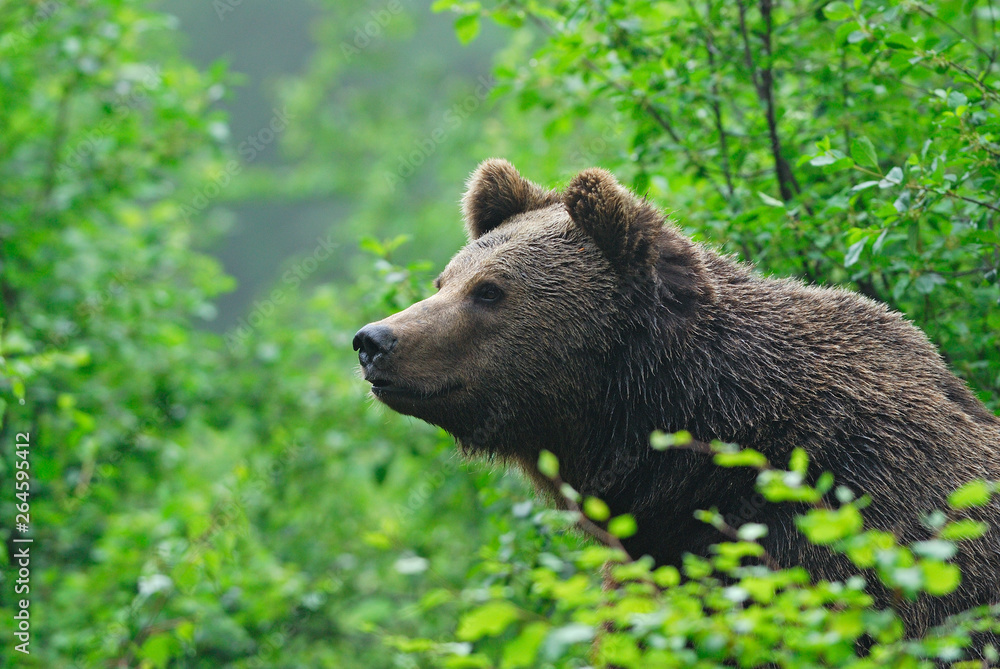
(605, 452)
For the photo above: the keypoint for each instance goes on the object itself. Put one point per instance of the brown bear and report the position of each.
(580, 322)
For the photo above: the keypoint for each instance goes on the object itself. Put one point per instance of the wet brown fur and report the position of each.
(612, 324)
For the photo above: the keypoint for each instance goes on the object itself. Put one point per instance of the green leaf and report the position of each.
(747, 457)
(963, 530)
(935, 549)
(900, 41)
(619, 650)
(158, 650)
(854, 252)
(842, 32)
(799, 461)
(880, 241)
(561, 638)
(710, 517)
(467, 28)
(910, 579)
(523, 650)
(838, 11)
(825, 526)
(900, 288)
(863, 152)
(548, 464)
(667, 577)
(490, 619)
(596, 509)
(832, 164)
(373, 246)
(940, 578)
(825, 159)
(824, 483)
(731, 552)
(770, 201)
(785, 487)
(864, 549)
(662, 441)
(893, 178)
(435, 598)
(926, 283)
(752, 531)
(957, 99)
(569, 492)
(974, 493)
(511, 19)
(632, 571)
(623, 526)
(857, 36)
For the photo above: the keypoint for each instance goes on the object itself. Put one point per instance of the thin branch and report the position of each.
(970, 200)
(987, 91)
(61, 130)
(58, 138)
(928, 189)
(716, 107)
(730, 532)
(993, 31)
(867, 288)
(991, 224)
(763, 80)
(589, 525)
(747, 54)
(989, 149)
(955, 30)
(845, 91)
(8, 296)
(960, 274)
(808, 13)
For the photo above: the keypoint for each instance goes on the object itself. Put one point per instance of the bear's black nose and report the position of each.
(372, 341)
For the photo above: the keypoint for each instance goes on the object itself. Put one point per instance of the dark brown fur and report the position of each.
(612, 324)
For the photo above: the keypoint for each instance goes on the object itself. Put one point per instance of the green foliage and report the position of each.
(200, 503)
(192, 503)
(976, 493)
(550, 608)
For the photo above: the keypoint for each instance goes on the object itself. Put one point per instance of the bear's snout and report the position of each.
(373, 343)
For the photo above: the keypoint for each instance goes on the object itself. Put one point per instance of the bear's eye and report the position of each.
(487, 292)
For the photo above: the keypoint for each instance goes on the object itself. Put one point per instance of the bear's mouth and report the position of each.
(383, 387)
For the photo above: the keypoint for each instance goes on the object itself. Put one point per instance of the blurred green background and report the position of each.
(200, 203)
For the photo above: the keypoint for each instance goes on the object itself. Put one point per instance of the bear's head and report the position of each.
(546, 321)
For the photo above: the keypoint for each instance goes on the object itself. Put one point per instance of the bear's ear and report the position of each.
(495, 193)
(636, 238)
(624, 227)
